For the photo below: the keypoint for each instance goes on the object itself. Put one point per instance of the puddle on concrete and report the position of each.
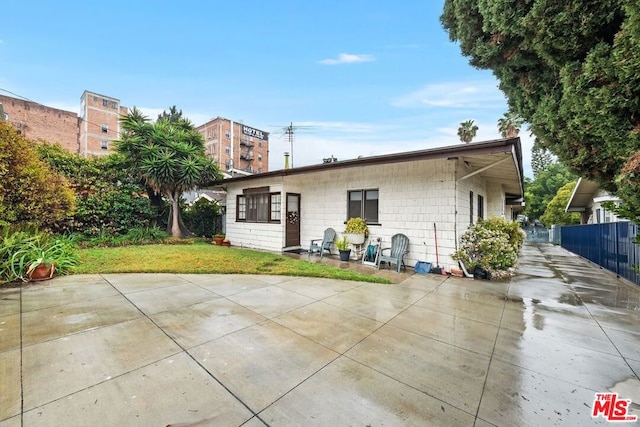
(570, 298)
(629, 389)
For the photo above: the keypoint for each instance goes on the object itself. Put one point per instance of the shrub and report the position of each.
(511, 228)
(135, 236)
(31, 193)
(492, 244)
(200, 217)
(109, 199)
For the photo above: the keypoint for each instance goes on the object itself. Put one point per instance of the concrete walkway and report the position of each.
(181, 350)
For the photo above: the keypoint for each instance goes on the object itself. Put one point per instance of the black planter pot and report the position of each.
(344, 255)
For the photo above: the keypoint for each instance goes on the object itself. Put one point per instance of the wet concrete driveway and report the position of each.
(158, 350)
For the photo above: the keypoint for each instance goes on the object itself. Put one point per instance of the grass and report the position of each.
(205, 258)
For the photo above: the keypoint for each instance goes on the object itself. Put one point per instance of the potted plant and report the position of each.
(41, 258)
(218, 238)
(343, 248)
(356, 230)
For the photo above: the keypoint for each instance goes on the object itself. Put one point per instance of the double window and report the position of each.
(258, 205)
(364, 204)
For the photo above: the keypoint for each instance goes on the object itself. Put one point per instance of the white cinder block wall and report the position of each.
(257, 235)
(413, 196)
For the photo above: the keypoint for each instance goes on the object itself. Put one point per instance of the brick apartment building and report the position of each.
(39, 122)
(234, 145)
(98, 123)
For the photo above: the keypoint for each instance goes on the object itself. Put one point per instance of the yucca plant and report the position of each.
(58, 253)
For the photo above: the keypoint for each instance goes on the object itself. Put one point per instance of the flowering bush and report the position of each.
(492, 244)
(357, 225)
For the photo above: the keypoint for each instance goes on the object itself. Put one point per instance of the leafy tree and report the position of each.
(555, 212)
(571, 69)
(109, 199)
(467, 131)
(541, 158)
(169, 157)
(539, 192)
(31, 193)
(509, 124)
(172, 116)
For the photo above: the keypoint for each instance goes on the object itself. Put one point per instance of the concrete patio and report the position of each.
(181, 350)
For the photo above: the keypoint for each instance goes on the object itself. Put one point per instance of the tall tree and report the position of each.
(555, 211)
(172, 116)
(570, 68)
(541, 158)
(541, 190)
(509, 124)
(467, 131)
(169, 157)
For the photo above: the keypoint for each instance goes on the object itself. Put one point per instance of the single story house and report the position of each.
(587, 198)
(407, 193)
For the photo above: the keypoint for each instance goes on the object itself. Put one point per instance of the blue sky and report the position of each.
(360, 78)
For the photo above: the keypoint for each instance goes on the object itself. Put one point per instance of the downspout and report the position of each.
(455, 204)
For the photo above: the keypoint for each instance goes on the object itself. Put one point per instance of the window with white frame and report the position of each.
(364, 204)
(104, 127)
(104, 145)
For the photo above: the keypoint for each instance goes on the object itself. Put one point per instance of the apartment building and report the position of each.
(99, 123)
(236, 146)
(39, 122)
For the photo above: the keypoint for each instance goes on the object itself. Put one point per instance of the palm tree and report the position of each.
(467, 131)
(509, 125)
(169, 157)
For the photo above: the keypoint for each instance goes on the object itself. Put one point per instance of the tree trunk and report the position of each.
(156, 200)
(175, 225)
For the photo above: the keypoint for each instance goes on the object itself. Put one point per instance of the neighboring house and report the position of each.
(396, 193)
(587, 198)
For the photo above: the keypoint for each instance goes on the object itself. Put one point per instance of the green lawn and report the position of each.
(205, 258)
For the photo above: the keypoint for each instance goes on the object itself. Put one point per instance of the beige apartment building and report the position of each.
(98, 123)
(236, 146)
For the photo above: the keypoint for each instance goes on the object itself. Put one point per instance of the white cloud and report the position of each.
(469, 94)
(350, 127)
(347, 58)
(339, 140)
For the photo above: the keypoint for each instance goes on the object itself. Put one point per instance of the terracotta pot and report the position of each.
(218, 240)
(42, 272)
